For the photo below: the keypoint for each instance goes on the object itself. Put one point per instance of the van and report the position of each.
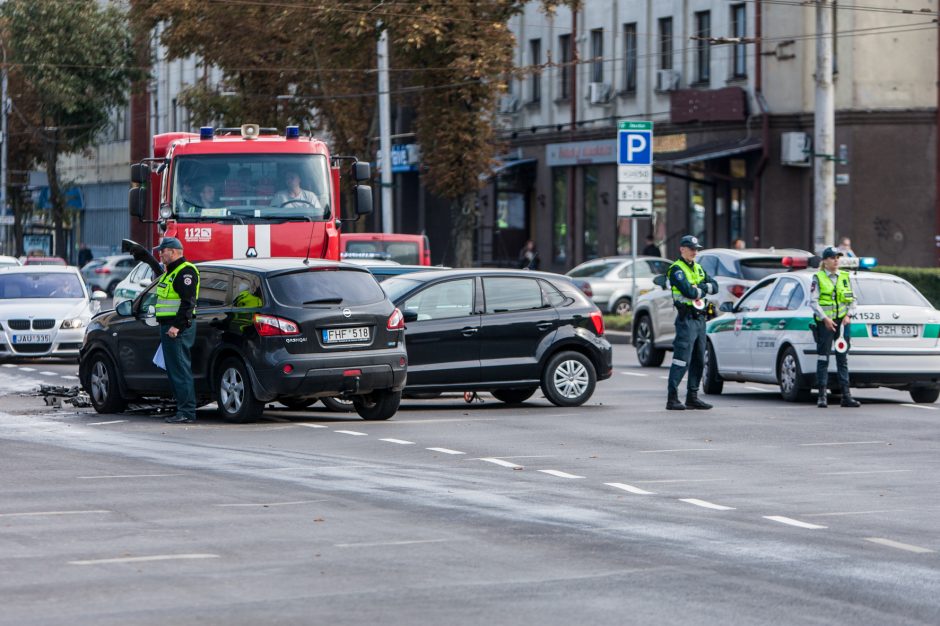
(404, 249)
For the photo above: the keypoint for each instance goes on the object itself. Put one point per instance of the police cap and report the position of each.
(690, 241)
(171, 243)
(831, 253)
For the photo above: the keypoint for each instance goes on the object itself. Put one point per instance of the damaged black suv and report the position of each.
(266, 329)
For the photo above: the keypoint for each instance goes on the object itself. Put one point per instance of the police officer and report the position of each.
(833, 304)
(177, 290)
(690, 284)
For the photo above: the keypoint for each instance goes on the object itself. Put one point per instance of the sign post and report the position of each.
(634, 180)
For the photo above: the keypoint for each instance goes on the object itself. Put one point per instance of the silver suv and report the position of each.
(105, 273)
(735, 271)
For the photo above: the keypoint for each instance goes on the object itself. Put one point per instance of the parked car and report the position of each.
(42, 260)
(44, 311)
(766, 337)
(734, 271)
(266, 330)
(508, 332)
(107, 272)
(383, 270)
(6, 261)
(133, 284)
(406, 249)
(608, 281)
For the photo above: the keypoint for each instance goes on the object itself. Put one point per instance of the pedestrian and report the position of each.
(177, 291)
(739, 244)
(529, 256)
(845, 247)
(833, 304)
(84, 255)
(690, 284)
(651, 249)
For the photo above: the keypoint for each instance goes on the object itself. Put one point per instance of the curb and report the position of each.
(618, 336)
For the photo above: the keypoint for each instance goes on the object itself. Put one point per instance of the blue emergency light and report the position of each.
(867, 262)
(206, 132)
(292, 132)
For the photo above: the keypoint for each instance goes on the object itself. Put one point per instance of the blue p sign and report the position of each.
(635, 148)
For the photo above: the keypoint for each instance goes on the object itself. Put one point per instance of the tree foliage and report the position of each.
(76, 62)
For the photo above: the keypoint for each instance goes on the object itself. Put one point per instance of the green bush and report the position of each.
(618, 322)
(926, 279)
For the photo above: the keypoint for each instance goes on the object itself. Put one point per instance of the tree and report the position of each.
(76, 60)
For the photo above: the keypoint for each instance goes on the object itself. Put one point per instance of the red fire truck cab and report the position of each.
(245, 192)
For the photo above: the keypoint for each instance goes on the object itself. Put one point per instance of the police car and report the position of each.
(766, 337)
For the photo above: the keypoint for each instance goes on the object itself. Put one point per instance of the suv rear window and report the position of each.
(346, 287)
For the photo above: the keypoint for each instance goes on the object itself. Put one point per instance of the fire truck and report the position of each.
(246, 192)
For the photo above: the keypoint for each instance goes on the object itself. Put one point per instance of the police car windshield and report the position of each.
(890, 292)
(236, 187)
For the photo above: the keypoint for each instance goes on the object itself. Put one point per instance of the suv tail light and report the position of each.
(396, 321)
(598, 320)
(271, 326)
(737, 290)
(102, 270)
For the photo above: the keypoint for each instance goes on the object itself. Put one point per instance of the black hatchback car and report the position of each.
(508, 332)
(266, 330)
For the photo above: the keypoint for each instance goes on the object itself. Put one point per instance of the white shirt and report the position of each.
(284, 199)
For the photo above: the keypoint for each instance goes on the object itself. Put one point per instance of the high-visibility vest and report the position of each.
(168, 301)
(834, 299)
(694, 275)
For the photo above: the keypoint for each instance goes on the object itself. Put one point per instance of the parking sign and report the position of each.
(635, 143)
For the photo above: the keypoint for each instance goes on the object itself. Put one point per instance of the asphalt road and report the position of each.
(618, 512)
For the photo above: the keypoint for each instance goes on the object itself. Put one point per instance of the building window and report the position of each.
(535, 86)
(703, 57)
(564, 76)
(665, 43)
(697, 204)
(597, 55)
(560, 214)
(739, 29)
(629, 57)
(591, 191)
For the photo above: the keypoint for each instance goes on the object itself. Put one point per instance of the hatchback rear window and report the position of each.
(593, 269)
(326, 287)
(755, 269)
(896, 292)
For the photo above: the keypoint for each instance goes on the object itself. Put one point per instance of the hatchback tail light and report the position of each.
(396, 321)
(737, 290)
(585, 287)
(102, 270)
(271, 326)
(598, 320)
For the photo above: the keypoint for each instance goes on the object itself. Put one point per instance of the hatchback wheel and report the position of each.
(513, 396)
(646, 351)
(378, 405)
(102, 385)
(924, 395)
(338, 405)
(568, 379)
(236, 400)
(622, 306)
(791, 378)
(712, 383)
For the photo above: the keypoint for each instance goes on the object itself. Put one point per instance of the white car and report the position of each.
(7, 261)
(44, 311)
(766, 337)
(133, 284)
(608, 281)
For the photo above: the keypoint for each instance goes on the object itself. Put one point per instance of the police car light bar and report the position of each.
(795, 262)
(867, 262)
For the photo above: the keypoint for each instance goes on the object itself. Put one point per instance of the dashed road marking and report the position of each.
(311, 425)
(664, 377)
(920, 406)
(399, 441)
(631, 489)
(841, 443)
(103, 423)
(500, 462)
(69, 377)
(28, 369)
(684, 480)
(355, 433)
(633, 374)
(41, 513)
(128, 476)
(793, 522)
(707, 505)
(9, 365)
(445, 451)
(266, 504)
(49, 373)
(143, 559)
(560, 474)
(864, 472)
(680, 450)
(900, 546)
(843, 513)
(388, 543)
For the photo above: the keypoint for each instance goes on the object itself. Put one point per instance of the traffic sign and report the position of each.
(633, 174)
(634, 192)
(634, 208)
(635, 143)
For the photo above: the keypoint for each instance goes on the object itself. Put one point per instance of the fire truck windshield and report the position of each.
(246, 186)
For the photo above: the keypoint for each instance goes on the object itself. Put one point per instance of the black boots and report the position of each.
(673, 404)
(848, 401)
(821, 399)
(692, 402)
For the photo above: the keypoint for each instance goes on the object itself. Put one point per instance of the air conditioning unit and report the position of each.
(796, 149)
(599, 93)
(508, 104)
(667, 80)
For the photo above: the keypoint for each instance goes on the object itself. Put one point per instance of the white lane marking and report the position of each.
(142, 559)
(560, 474)
(128, 476)
(28, 369)
(267, 504)
(500, 462)
(707, 505)
(49, 373)
(41, 513)
(103, 423)
(664, 377)
(9, 365)
(793, 522)
(842, 513)
(681, 450)
(311, 425)
(388, 543)
(864, 472)
(900, 546)
(842, 443)
(401, 441)
(631, 489)
(69, 377)
(755, 388)
(684, 480)
(445, 450)
(633, 374)
(355, 433)
(920, 406)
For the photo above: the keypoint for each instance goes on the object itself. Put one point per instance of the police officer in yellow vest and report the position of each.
(833, 303)
(690, 284)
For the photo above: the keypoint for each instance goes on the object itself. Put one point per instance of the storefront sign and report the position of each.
(581, 153)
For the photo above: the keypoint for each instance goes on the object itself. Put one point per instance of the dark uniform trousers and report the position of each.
(176, 354)
(688, 351)
(824, 341)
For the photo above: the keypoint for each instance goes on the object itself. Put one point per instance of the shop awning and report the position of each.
(708, 151)
(503, 166)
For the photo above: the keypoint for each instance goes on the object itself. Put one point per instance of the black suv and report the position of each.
(508, 332)
(266, 330)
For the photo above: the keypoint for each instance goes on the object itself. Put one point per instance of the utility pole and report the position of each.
(4, 137)
(385, 139)
(824, 190)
